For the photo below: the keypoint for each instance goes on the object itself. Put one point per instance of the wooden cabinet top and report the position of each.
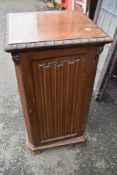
(51, 28)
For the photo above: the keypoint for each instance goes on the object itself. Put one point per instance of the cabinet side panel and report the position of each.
(29, 89)
(23, 101)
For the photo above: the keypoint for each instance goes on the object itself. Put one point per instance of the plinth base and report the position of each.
(40, 148)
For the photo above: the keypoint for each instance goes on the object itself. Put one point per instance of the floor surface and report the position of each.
(98, 156)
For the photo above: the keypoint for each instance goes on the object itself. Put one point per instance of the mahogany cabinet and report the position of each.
(55, 56)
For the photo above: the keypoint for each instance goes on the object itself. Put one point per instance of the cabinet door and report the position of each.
(59, 92)
(59, 85)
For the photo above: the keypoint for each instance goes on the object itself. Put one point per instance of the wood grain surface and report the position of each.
(50, 29)
(55, 25)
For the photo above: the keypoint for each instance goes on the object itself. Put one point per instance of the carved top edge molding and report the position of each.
(60, 43)
(52, 43)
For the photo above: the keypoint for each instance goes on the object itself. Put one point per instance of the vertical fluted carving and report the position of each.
(59, 90)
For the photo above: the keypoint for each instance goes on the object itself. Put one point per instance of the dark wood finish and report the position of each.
(55, 83)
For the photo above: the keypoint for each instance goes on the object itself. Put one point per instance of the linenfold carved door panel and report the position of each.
(59, 84)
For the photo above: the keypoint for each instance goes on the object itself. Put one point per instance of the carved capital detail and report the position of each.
(16, 58)
(99, 49)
